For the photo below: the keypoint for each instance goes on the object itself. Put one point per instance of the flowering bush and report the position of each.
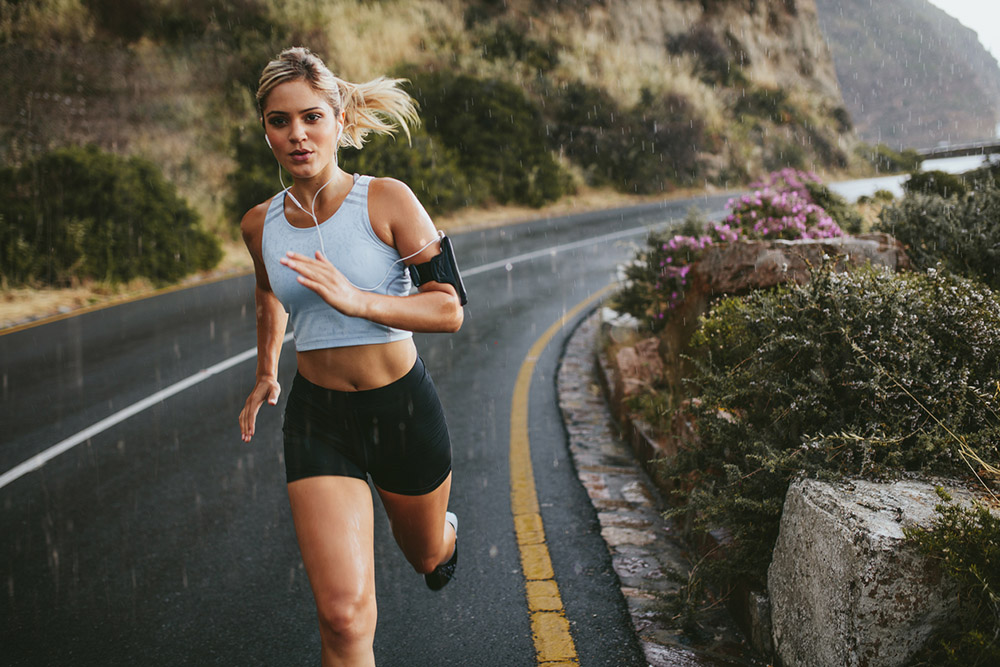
(781, 206)
(768, 214)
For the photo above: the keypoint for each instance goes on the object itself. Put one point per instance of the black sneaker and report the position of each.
(444, 572)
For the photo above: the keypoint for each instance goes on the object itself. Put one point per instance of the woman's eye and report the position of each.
(314, 117)
(278, 122)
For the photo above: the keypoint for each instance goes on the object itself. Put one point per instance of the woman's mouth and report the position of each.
(300, 156)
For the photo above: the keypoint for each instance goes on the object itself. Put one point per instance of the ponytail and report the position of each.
(378, 106)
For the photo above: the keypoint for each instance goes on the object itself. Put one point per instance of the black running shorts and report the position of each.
(396, 433)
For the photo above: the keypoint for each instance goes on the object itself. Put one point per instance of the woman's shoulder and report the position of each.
(391, 189)
(392, 198)
(253, 220)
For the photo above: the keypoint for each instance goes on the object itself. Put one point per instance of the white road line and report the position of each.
(40, 459)
(43, 457)
(635, 231)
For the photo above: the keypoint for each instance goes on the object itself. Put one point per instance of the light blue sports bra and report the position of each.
(352, 247)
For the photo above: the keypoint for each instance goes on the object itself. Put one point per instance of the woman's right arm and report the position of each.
(271, 321)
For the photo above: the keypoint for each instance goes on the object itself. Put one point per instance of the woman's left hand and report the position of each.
(327, 281)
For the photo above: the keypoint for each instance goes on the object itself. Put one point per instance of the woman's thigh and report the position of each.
(334, 525)
(418, 524)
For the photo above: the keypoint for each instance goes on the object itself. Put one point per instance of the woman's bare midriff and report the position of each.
(359, 367)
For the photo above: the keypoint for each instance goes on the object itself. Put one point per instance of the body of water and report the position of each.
(851, 190)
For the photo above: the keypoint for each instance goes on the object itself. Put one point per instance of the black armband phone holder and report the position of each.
(441, 269)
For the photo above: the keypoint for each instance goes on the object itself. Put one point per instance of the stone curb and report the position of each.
(643, 547)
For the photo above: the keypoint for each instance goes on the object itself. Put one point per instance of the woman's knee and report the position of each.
(347, 618)
(426, 557)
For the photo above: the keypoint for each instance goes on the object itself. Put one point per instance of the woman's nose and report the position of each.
(297, 132)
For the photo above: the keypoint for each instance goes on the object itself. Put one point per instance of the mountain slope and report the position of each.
(722, 90)
(911, 75)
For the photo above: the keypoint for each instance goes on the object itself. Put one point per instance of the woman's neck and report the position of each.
(316, 198)
(322, 188)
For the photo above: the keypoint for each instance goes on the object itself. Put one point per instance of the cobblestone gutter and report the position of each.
(642, 544)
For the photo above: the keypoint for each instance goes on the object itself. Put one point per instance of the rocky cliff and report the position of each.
(912, 76)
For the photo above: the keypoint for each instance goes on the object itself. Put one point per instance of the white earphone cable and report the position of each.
(319, 232)
(312, 213)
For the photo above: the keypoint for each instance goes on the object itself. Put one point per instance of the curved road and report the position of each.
(159, 538)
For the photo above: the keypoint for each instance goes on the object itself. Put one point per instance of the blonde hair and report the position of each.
(379, 105)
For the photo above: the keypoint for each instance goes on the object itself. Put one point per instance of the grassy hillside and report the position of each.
(641, 97)
(912, 76)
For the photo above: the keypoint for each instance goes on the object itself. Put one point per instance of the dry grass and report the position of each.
(366, 40)
(41, 20)
(23, 305)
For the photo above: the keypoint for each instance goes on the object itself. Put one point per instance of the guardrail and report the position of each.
(961, 150)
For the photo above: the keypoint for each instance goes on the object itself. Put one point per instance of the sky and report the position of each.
(983, 16)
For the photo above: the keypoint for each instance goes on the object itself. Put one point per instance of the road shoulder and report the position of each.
(645, 551)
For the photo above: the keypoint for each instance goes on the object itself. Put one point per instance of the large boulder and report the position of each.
(736, 268)
(846, 587)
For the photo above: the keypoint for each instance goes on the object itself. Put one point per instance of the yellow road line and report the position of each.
(554, 645)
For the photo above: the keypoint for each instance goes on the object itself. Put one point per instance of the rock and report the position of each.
(845, 587)
(639, 365)
(759, 612)
(738, 268)
(618, 326)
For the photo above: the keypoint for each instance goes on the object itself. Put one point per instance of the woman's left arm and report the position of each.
(398, 219)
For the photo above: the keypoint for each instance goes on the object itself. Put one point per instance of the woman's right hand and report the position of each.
(266, 389)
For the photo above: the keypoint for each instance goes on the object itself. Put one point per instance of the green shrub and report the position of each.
(662, 136)
(887, 160)
(843, 119)
(429, 167)
(509, 41)
(963, 234)
(986, 176)
(586, 128)
(935, 182)
(965, 542)
(497, 134)
(715, 62)
(865, 374)
(649, 148)
(780, 153)
(78, 213)
(769, 103)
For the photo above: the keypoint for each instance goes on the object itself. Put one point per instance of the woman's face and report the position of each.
(302, 129)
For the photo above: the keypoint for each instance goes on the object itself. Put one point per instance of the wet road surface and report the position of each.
(165, 540)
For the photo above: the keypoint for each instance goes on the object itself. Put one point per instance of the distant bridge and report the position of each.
(961, 150)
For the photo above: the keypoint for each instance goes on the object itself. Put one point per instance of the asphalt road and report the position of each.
(165, 540)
